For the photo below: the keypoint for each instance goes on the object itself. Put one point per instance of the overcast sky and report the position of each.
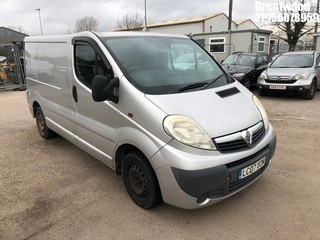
(60, 16)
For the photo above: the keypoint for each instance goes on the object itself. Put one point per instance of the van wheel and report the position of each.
(140, 181)
(44, 131)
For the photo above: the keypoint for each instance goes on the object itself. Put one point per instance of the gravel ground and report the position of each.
(53, 190)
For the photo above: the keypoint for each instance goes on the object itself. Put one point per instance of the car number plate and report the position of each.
(247, 171)
(277, 87)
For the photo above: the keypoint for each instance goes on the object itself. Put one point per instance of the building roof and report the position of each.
(243, 21)
(8, 35)
(184, 20)
(13, 31)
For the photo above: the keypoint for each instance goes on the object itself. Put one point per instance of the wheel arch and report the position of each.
(315, 79)
(35, 104)
(121, 152)
(132, 139)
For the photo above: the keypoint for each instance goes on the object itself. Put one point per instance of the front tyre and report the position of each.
(247, 83)
(262, 92)
(311, 92)
(140, 180)
(43, 129)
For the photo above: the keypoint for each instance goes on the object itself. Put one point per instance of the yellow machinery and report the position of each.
(5, 68)
(3, 75)
(12, 71)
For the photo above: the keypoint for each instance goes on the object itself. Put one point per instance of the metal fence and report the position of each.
(274, 49)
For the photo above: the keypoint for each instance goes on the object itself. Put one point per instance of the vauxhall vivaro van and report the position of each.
(156, 108)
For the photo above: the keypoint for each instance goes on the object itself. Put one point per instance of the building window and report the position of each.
(201, 42)
(217, 45)
(261, 43)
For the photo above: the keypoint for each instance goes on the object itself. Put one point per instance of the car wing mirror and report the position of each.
(103, 89)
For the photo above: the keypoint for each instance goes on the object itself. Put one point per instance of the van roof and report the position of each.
(99, 34)
(135, 33)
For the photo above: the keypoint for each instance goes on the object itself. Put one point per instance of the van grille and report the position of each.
(236, 141)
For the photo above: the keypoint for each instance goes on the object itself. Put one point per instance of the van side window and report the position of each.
(88, 64)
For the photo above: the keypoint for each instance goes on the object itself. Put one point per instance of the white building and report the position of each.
(211, 31)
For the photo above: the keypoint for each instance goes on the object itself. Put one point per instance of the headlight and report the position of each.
(301, 76)
(262, 111)
(238, 75)
(263, 75)
(186, 131)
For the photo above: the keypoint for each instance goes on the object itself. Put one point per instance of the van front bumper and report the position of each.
(192, 189)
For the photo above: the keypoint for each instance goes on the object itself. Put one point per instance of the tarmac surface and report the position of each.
(53, 190)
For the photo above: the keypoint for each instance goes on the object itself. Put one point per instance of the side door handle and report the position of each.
(74, 93)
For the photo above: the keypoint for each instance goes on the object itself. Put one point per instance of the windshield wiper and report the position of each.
(189, 87)
(213, 81)
(305, 67)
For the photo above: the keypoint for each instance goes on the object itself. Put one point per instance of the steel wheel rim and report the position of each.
(41, 124)
(138, 181)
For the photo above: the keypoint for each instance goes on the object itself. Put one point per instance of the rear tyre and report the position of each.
(140, 181)
(43, 129)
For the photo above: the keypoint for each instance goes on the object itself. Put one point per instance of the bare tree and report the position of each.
(86, 24)
(19, 29)
(130, 21)
(295, 23)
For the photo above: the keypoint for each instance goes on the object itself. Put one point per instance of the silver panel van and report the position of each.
(156, 108)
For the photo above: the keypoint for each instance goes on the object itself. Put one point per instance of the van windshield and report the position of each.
(162, 65)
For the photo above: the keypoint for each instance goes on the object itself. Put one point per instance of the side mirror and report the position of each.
(103, 89)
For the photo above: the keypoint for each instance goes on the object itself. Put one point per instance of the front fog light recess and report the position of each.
(186, 131)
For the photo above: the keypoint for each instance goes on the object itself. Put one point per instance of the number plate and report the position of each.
(277, 87)
(247, 171)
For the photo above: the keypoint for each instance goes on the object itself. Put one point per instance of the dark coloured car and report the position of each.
(246, 67)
